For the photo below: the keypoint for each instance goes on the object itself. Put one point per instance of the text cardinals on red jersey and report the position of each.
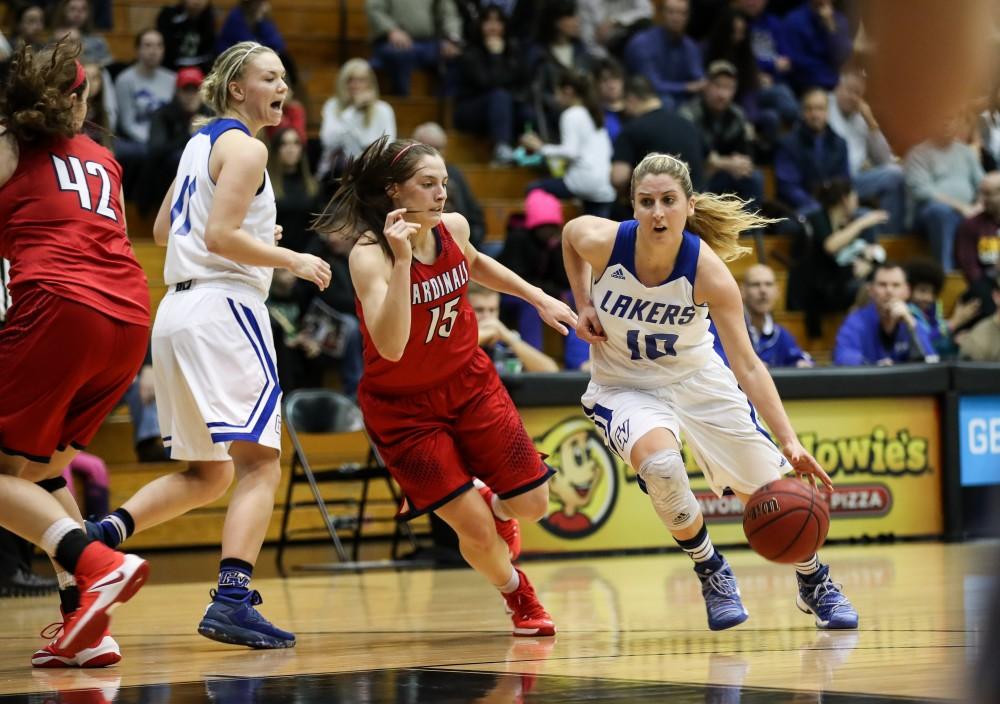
(62, 227)
(443, 330)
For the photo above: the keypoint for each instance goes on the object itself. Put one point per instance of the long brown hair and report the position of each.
(361, 201)
(277, 170)
(35, 99)
(718, 219)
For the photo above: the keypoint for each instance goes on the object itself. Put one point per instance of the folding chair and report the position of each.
(312, 415)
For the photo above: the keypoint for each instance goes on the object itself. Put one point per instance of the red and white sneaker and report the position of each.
(103, 653)
(509, 530)
(106, 578)
(529, 616)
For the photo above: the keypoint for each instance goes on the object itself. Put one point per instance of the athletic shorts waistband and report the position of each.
(230, 285)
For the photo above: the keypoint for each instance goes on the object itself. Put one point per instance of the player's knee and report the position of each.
(667, 484)
(213, 478)
(531, 506)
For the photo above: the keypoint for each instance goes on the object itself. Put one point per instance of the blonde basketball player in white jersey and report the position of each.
(644, 290)
(217, 388)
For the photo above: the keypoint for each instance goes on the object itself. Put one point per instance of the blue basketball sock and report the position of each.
(699, 548)
(116, 527)
(234, 578)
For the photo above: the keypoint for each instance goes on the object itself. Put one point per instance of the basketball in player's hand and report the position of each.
(786, 521)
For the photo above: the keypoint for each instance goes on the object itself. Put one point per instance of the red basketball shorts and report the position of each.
(435, 442)
(65, 366)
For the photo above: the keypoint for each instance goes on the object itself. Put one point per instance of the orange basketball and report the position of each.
(786, 521)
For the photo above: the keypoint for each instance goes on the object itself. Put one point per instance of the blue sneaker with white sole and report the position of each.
(237, 622)
(821, 596)
(722, 595)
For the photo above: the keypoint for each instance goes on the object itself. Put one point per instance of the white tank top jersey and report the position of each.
(656, 335)
(187, 256)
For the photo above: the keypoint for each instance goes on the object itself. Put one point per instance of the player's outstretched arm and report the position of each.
(716, 287)
(492, 274)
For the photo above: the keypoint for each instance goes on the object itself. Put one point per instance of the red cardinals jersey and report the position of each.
(443, 329)
(62, 227)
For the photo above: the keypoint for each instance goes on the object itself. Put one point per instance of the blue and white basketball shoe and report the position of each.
(821, 596)
(237, 622)
(722, 595)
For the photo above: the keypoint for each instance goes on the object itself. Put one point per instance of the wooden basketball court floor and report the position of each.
(631, 629)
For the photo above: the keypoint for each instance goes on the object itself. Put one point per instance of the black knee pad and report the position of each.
(53, 484)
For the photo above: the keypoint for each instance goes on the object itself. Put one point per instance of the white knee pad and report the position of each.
(667, 484)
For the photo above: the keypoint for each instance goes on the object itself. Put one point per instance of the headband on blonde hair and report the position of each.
(81, 76)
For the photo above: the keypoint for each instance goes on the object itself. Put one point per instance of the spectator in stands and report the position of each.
(943, 176)
(87, 480)
(188, 30)
(101, 112)
(296, 192)
(607, 25)
(141, 89)
(29, 27)
(585, 147)
(977, 241)
(422, 34)
(169, 131)
(775, 346)
(989, 128)
(557, 50)
(652, 128)
(461, 199)
(926, 279)
(982, 343)
(818, 40)
(76, 14)
(250, 21)
(669, 60)
(869, 158)
(884, 332)
(297, 353)
(834, 254)
(141, 401)
(810, 155)
(353, 118)
(610, 79)
(509, 352)
(16, 576)
(533, 251)
(726, 134)
(329, 317)
(492, 92)
(767, 39)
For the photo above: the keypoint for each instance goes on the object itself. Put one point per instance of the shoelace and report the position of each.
(51, 631)
(827, 593)
(722, 584)
(527, 605)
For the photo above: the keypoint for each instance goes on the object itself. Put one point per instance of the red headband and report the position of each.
(403, 151)
(81, 76)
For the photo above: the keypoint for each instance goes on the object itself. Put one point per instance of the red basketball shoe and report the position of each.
(103, 653)
(509, 530)
(105, 578)
(529, 616)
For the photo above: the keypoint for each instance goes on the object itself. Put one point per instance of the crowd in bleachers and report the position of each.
(763, 99)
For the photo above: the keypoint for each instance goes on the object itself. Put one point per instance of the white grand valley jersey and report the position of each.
(188, 259)
(656, 335)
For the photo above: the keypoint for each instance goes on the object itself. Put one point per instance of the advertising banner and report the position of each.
(882, 453)
(979, 437)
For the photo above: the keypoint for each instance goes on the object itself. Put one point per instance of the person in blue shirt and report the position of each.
(775, 345)
(666, 57)
(926, 279)
(809, 155)
(884, 332)
(818, 41)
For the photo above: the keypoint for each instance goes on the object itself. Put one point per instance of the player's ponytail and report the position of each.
(35, 101)
(718, 219)
(358, 208)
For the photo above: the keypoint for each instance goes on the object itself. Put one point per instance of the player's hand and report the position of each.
(554, 312)
(399, 231)
(310, 268)
(278, 229)
(805, 465)
(588, 326)
(490, 331)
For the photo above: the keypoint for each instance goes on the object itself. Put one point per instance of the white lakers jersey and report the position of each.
(187, 256)
(656, 335)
